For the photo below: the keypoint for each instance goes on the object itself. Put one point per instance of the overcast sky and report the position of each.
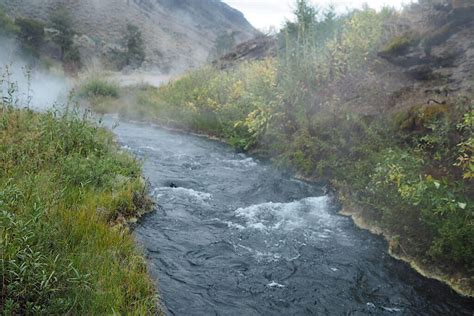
(266, 13)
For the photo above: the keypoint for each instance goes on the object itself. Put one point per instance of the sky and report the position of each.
(264, 14)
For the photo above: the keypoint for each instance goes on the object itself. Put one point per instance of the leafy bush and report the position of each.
(465, 158)
(223, 44)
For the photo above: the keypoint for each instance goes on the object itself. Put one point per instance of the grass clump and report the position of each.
(63, 184)
(400, 44)
(97, 87)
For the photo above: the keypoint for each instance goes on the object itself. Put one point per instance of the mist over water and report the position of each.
(34, 87)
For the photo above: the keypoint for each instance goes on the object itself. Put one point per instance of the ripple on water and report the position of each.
(287, 216)
(240, 163)
(183, 193)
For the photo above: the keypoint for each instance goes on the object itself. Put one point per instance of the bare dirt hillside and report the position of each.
(178, 33)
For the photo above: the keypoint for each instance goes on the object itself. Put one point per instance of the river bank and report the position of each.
(460, 282)
(66, 194)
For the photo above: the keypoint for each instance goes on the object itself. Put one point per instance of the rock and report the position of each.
(256, 49)
(444, 50)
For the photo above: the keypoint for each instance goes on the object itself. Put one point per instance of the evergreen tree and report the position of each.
(61, 21)
(134, 46)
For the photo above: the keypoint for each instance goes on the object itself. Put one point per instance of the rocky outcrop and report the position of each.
(259, 48)
(443, 51)
(178, 33)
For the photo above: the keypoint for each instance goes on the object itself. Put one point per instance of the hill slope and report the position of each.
(178, 33)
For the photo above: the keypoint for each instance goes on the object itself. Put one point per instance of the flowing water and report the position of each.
(233, 236)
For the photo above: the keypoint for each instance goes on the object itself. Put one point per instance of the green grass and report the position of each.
(65, 188)
(96, 87)
(399, 44)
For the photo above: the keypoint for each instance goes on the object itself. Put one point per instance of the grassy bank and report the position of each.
(64, 189)
(321, 109)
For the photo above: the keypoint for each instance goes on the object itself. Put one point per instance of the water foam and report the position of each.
(285, 216)
(241, 163)
(275, 284)
(196, 196)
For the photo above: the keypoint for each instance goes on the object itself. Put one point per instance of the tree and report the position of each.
(62, 23)
(133, 43)
(305, 14)
(224, 43)
(31, 32)
(7, 26)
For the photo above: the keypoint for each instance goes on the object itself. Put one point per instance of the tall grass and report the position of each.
(65, 187)
(96, 87)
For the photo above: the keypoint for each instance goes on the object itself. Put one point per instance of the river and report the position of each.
(234, 236)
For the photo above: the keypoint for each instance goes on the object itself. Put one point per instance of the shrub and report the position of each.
(223, 44)
(400, 44)
(98, 87)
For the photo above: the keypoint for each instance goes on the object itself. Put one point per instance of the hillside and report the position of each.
(177, 34)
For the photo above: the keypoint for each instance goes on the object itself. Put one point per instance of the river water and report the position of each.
(234, 236)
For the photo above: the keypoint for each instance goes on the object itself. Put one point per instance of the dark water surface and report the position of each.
(233, 236)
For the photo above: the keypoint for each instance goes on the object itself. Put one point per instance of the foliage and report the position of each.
(223, 44)
(63, 182)
(399, 44)
(61, 21)
(466, 146)
(98, 87)
(132, 53)
(31, 32)
(135, 49)
(7, 25)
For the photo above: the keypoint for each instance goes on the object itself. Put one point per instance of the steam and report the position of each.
(34, 87)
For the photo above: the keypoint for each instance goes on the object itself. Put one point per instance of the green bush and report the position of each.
(98, 87)
(400, 44)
